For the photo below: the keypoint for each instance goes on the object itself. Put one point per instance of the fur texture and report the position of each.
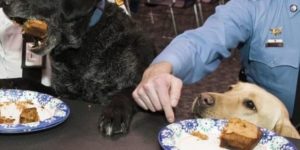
(100, 64)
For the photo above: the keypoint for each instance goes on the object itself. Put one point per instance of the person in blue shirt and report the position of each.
(269, 32)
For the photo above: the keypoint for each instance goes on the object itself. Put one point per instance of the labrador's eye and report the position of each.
(250, 104)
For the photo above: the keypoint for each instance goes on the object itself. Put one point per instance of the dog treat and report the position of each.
(29, 115)
(240, 135)
(4, 120)
(199, 135)
(36, 28)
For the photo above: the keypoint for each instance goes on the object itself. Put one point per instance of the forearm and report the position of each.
(196, 53)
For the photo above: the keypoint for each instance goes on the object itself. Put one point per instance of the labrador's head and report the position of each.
(249, 102)
(67, 20)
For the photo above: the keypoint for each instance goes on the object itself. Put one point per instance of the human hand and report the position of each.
(159, 90)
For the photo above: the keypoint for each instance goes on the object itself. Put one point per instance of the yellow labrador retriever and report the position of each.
(249, 102)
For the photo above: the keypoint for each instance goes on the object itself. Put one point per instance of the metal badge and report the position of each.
(275, 40)
(293, 8)
(276, 31)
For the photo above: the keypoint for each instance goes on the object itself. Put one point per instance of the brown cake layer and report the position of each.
(240, 135)
(29, 115)
(36, 28)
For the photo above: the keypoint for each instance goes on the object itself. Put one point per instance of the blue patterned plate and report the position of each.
(177, 136)
(51, 110)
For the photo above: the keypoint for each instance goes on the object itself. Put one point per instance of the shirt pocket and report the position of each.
(275, 56)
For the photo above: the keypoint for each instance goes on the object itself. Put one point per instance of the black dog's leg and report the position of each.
(116, 116)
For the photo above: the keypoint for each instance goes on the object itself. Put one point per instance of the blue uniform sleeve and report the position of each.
(195, 53)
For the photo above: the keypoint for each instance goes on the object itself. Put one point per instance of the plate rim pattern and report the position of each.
(16, 94)
(187, 125)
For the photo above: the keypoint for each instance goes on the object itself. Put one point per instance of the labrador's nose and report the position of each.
(206, 99)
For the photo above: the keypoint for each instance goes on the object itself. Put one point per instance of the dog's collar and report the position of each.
(97, 13)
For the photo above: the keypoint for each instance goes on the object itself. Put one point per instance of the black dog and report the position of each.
(100, 64)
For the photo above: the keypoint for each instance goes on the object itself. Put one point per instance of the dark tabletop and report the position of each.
(79, 132)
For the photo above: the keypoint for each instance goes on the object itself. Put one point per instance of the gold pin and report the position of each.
(275, 41)
(276, 31)
(119, 2)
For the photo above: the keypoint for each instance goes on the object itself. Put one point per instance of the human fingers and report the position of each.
(152, 94)
(163, 94)
(175, 91)
(146, 100)
(137, 99)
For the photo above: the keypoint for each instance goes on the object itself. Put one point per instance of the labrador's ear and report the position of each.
(73, 9)
(285, 128)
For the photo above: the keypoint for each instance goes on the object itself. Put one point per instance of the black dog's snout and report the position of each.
(206, 100)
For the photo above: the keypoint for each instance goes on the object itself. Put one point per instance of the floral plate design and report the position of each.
(59, 110)
(170, 135)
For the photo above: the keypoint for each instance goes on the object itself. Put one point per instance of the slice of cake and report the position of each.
(5, 120)
(36, 28)
(29, 115)
(240, 135)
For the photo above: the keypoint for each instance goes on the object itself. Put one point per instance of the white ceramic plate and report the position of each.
(177, 136)
(51, 111)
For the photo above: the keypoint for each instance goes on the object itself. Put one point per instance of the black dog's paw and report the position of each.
(115, 119)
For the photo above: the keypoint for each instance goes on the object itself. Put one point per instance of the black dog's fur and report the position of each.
(99, 64)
